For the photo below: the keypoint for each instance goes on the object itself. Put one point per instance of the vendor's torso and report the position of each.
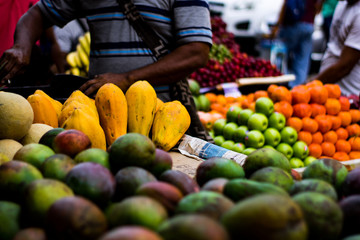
(177, 22)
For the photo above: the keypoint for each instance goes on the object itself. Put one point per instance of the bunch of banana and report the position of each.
(78, 60)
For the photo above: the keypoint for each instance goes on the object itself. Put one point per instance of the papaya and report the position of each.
(111, 105)
(171, 121)
(141, 101)
(55, 103)
(44, 112)
(89, 125)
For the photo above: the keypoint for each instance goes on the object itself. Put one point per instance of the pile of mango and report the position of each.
(61, 188)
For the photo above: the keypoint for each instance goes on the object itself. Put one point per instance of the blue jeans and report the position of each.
(298, 41)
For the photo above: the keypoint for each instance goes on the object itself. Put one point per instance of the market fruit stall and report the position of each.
(285, 163)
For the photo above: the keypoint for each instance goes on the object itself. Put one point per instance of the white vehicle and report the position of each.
(247, 18)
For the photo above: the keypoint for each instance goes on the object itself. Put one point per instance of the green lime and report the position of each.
(232, 114)
(218, 126)
(228, 144)
(247, 151)
(219, 140)
(204, 103)
(238, 147)
(229, 130)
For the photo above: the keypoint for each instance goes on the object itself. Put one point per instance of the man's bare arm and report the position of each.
(348, 58)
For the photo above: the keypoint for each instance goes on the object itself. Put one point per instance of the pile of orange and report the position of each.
(322, 117)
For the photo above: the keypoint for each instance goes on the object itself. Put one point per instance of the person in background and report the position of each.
(297, 37)
(68, 36)
(341, 62)
(44, 50)
(327, 12)
(118, 55)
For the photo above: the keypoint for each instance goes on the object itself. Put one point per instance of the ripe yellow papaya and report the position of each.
(111, 105)
(56, 104)
(141, 101)
(82, 121)
(44, 112)
(75, 104)
(171, 121)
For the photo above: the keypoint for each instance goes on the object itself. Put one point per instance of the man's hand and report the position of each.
(12, 62)
(90, 87)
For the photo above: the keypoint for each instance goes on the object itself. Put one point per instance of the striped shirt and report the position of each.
(115, 46)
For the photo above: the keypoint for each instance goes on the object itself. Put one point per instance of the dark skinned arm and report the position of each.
(348, 58)
(173, 67)
(28, 30)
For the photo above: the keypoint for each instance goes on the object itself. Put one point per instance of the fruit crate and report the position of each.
(234, 89)
(60, 87)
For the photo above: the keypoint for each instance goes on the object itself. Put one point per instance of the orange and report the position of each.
(317, 109)
(353, 130)
(325, 124)
(216, 107)
(314, 83)
(355, 143)
(240, 99)
(251, 97)
(221, 99)
(252, 106)
(260, 93)
(341, 156)
(334, 90)
(245, 103)
(328, 149)
(319, 94)
(333, 106)
(354, 155)
(271, 89)
(302, 110)
(336, 122)
(281, 93)
(342, 145)
(355, 115)
(300, 94)
(211, 96)
(342, 133)
(310, 125)
(230, 99)
(294, 122)
(330, 136)
(305, 137)
(315, 150)
(317, 138)
(345, 103)
(285, 108)
(345, 118)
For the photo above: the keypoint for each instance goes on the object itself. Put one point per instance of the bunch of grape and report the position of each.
(221, 36)
(239, 66)
(220, 52)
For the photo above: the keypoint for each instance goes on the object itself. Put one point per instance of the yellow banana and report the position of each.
(83, 57)
(75, 71)
(84, 44)
(87, 37)
(77, 60)
(70, 59)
